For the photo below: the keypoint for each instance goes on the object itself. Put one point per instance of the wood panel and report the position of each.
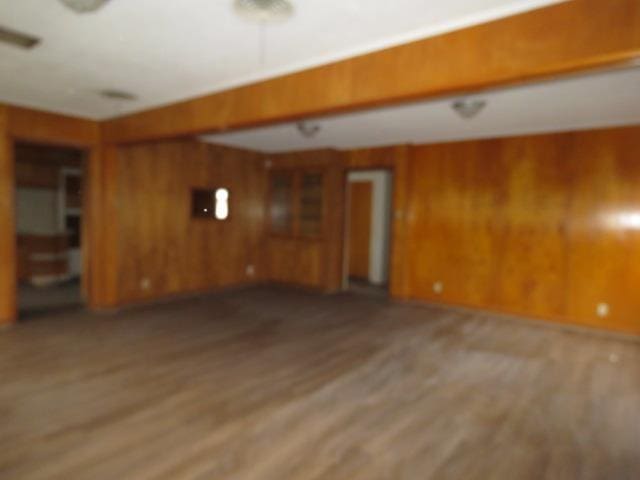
(8, 252)
(308, 261)
(100, 249)
(43, 127)
(360, 204)
(561, 38)
(545, 226)
(162, 250)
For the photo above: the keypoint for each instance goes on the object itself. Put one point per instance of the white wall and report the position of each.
(379, 246)
(36, 211)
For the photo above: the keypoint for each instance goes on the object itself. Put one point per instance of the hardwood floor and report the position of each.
(269, 383)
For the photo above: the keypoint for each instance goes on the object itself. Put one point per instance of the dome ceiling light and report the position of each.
(84, 6)
(264, 11)
(308, 129)
(468, 108)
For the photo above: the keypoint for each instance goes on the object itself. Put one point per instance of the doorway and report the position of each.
(49, 213)
(368, 231)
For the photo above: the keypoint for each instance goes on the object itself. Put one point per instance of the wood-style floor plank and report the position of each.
(269, 383)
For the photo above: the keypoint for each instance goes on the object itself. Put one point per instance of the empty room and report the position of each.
(320, 240)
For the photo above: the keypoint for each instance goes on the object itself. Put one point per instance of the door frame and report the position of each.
(347, 210)
(90, 151)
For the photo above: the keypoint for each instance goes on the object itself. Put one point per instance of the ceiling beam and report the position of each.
(559, 39)
(36, 126)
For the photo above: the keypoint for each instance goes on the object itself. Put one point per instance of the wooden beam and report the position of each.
(563, 38)
(42, 127)
(8, 251)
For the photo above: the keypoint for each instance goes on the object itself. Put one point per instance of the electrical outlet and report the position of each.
(251, 270)
(438, 287)
(145, 283)
(602, 310)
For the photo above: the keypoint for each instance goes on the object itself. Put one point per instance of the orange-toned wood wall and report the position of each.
(162, 250)
(8, 251)
(567, 37)
(545, 226)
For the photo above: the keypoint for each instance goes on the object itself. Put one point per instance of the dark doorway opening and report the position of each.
(49, 214)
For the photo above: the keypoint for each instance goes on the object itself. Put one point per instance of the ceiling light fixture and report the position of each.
(18, 39)
(264, 11)
(84, 6)
(307, 129)
(467, 108)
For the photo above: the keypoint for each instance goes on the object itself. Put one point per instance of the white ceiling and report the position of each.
(599, 100)
(168, 50)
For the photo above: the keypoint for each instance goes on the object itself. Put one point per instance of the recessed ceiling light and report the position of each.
(467, 108)
(84, 6)
(18, 39)
(118, 95)
(264, 11)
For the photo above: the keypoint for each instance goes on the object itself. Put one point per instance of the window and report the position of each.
(212, 204)
(296, 203)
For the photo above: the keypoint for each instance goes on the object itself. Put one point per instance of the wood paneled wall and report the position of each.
(8, 251)
(313, 263)
(545, 226)
(162, 250)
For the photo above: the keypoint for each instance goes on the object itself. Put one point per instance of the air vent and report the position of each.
(18, 39)
(118, 95)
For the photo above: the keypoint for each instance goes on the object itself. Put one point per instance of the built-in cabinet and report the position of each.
(296, 203)
(304, 219)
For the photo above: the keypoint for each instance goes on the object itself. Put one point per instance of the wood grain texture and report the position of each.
(268, 384)
(566, 37)
(159, 243)
(100, 250)
(50, 128)
(8, 251)
(545, 226)
(311, 262)
(359, 234)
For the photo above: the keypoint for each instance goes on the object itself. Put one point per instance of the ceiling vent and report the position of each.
(118, 95)
(18, 39)
(264, 11)
(84, 6)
